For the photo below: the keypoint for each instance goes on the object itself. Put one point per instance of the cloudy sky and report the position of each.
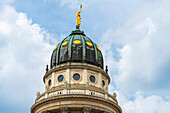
(134, 36)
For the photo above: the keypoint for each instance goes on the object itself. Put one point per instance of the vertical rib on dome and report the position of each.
(77, 48)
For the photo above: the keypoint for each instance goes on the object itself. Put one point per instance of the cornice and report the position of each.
(76, 97)
(76, 66)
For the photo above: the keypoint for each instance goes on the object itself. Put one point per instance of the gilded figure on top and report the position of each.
(78, 18)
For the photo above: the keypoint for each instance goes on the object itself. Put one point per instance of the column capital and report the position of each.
(64, 110)
(87, 109)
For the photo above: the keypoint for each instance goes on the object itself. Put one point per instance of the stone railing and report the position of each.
(76, 90)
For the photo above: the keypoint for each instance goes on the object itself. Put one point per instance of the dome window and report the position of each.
(60, 78)
(64, 43)
(56, 47)
(76, 76)
(49, 83)
(89, 44)
(103, 83)
(77, 48)
(77, 42)
(98, 47)
(92, 78)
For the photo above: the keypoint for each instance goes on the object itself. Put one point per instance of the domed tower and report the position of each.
(76, 81)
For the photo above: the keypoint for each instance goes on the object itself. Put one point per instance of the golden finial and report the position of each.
(78, 19)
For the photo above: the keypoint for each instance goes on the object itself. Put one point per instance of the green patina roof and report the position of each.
(77, 48)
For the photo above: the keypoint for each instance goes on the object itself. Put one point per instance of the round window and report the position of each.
(49, 82)
(76, 76)
(103, 83)
(92, 78)
(60, 78)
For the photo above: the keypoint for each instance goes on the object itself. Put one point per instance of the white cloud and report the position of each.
(146, 58)
(138, 51)
(6, 1)
(143, 48)
(5, 28)
(24, 52)
(75, 4)
(142, 104)
(71, 3)
(143, 59)
(142, 45)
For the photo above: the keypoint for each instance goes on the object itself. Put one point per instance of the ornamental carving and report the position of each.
(87, 110)
(64, 110)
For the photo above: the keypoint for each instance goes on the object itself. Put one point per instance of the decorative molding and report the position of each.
(57, 74)
(74, 71)
(47, 87)
(38, 94)
(89, 73)
(77, 66)
(76, 87)
(87, 84)
(65, 84)
(87, 110)
(73, 97)
(64, 109)
(114, 95)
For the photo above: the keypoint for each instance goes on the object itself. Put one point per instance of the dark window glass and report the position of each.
(103, 82)
(77, 52)
(92, 78)
(60, 78)
(52, 58)
(90, 54)
(76, 76)
(100, 60)
(49, 82)
(63, 54)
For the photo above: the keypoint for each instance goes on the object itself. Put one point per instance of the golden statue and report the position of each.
(78, 19)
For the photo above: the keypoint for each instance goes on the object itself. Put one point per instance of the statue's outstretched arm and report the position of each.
(78, 19)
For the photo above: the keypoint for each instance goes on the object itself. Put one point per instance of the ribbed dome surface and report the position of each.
(77, 48)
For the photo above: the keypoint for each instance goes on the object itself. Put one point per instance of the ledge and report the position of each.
(76, 97)
(76, 66)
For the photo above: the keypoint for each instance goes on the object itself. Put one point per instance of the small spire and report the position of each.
(114, 95)
(47, 68)
(38, 94)
(106, 70)
(78, 18)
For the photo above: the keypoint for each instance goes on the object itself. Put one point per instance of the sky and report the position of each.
(133, 36)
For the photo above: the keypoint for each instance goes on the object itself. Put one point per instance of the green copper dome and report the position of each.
(77, 48)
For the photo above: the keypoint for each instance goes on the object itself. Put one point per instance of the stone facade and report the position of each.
(76, 95)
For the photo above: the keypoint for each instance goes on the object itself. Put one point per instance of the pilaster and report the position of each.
(53, 79)
(68, 75)
(100, 80)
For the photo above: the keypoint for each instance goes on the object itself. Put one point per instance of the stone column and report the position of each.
(87, 110)
(64, 110)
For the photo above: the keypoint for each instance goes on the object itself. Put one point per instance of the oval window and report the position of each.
(103, 83)
(92, 78)
(64, 43)
(89, 43)
(76, 76)
(60, 78)
(77, 42)
(49, 83)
